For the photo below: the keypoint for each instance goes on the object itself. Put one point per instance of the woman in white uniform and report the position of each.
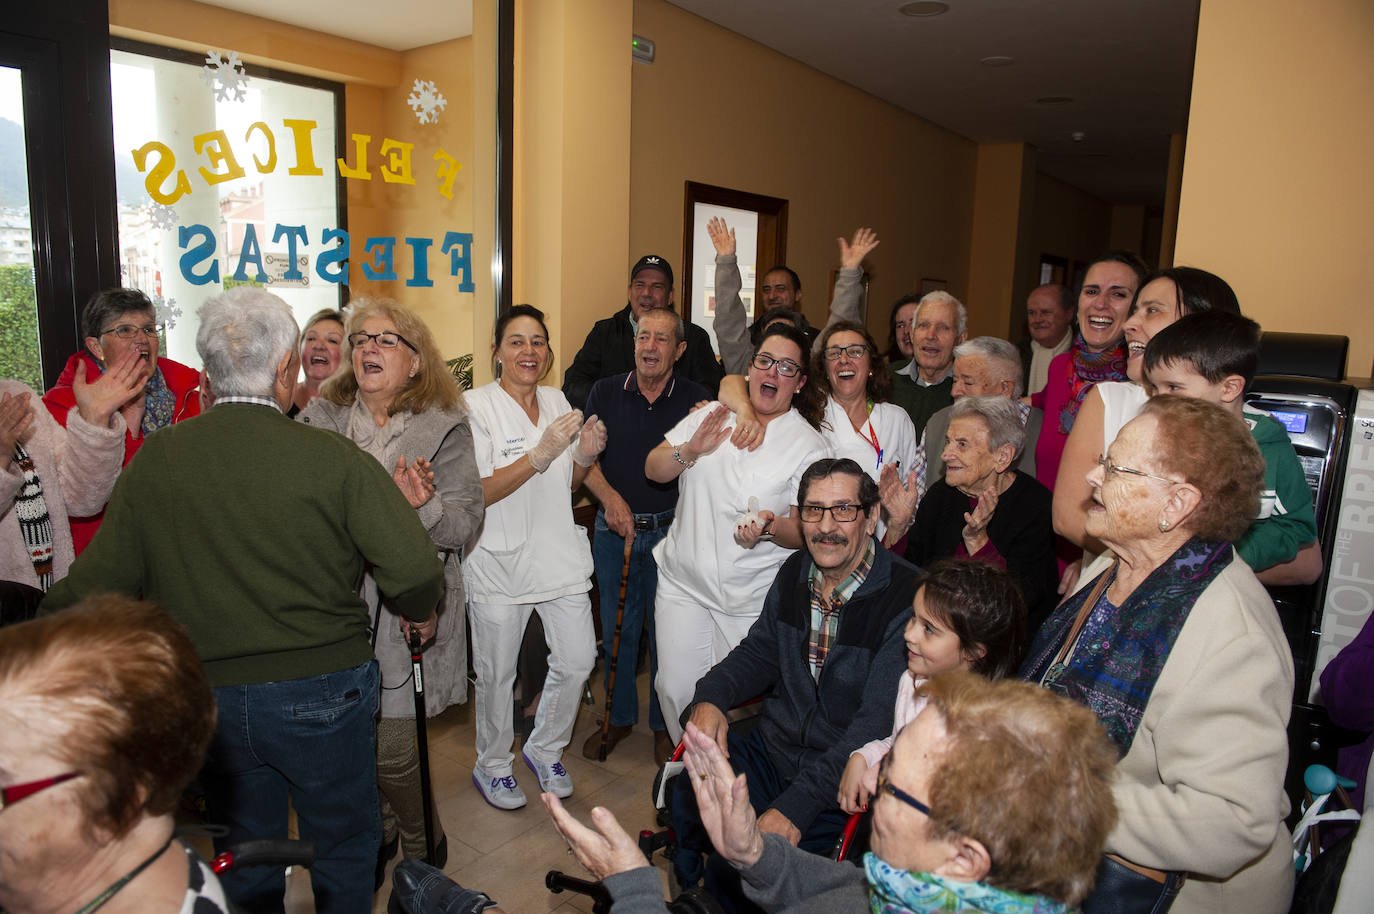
(859, 423)
(736, 522)
(528, 556)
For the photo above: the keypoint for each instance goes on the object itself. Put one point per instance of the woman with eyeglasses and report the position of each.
(106, 713)
(533, 450)
(859, 422)
(48, 473)
(114, 323)
(996, 798)
(984, 508)
(1175, 646)
(402, 406)
(736, 520)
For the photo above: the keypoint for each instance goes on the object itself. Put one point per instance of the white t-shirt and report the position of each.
(528, 550)
(700, 554)
(1121, 402)
(889, 424)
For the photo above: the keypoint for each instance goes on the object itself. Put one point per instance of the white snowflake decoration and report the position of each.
(162, 217)
(167, 312)
(225, 75)
(426, 101)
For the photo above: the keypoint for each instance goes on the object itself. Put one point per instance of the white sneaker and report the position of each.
(553, 778)
(502, 792)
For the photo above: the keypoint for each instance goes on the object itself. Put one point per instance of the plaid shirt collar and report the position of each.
(825, 613)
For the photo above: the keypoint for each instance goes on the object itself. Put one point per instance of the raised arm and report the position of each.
(845, 301)
(732, 321)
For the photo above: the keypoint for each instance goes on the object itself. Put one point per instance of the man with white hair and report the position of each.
(253, 530)
(983, 366)
(928, 332)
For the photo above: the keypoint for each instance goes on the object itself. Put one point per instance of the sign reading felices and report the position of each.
(199, 264)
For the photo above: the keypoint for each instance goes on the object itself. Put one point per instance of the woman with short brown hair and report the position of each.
(106, 713)
(1176, 647)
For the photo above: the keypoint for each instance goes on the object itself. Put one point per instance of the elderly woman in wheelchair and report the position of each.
(996, 797)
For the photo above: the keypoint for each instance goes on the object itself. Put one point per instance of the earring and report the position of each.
(1163, 526)
(496, 369)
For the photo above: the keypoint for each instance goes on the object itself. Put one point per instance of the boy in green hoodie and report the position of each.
(1211, 355)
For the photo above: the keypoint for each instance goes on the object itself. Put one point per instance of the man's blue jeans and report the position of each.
(312, 741)
(608, 555)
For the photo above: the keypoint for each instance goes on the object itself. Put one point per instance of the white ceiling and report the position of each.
(398, 25)
(1126, 65)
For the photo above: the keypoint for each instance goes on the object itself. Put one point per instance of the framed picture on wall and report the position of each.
(933, 285)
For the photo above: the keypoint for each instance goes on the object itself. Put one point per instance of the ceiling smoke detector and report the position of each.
(923, 9)
(1078, 136)
(997, 60)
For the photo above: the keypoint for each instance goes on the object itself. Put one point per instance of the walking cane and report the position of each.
(422, 737)
(614, 659)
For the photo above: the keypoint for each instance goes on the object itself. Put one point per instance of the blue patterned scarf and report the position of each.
(1121, 650)
(894, 891)
(161, 404)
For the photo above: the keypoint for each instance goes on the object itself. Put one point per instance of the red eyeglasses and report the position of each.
(13, 794)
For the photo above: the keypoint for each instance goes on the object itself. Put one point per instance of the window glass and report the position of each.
(221, 183)
(19, 352)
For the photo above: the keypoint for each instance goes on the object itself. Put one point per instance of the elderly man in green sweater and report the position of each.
(254, 530)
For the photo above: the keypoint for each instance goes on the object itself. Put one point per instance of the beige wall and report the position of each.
(572, 164)
(1002, 211)
(1069, 222)
(718, 108)
(1278, 186)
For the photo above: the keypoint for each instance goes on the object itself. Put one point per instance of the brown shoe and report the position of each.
(663, 747)
(592, 747)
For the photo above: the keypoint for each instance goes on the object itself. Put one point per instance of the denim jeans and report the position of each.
(608, 555)
(311, 741)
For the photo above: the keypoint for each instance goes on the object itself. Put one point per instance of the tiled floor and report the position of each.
(506, 854)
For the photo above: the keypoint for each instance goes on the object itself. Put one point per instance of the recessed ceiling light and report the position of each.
(997, 61)
(922, 9)
(1054, 100)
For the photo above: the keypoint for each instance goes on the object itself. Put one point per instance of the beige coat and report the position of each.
(444, 438)
(77, 467)
(1201, 789)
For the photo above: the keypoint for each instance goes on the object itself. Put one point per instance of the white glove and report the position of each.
(590, 442)
(555, 440)
(743, 535)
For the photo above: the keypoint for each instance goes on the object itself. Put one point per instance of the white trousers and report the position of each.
(692, 638)
(497, 629)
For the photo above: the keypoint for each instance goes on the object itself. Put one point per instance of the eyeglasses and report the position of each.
(129, 331)
(13, 794)
(856, 351)
(886, 786)
(387, 339)
(786, 367)
(1109, 468)
(812, 514)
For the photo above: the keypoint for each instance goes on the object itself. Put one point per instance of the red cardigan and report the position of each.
(182, 381)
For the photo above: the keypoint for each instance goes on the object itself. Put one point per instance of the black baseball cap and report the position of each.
(653, 262)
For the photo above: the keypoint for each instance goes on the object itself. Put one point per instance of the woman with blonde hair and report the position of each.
(401, 405)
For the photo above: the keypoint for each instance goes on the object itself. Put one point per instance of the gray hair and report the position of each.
(1001, 417)
(940, 296)
(679, 328)
(1003, 359)
(243, 335)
